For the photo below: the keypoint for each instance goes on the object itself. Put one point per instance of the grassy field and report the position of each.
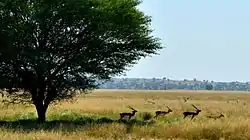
(95, 116)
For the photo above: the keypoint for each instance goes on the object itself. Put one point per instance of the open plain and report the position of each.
(96, 116)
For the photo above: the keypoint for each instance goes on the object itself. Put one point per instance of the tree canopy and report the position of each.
(49, 48)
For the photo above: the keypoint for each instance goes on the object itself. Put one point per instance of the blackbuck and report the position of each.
(128, 114)
(192, 114)
(215, 117)
(162, 113)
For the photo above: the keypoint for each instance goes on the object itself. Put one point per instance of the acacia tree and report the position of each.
(49, 48)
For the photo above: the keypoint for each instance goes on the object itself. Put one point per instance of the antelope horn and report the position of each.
(194, 106)
(131, 107)
(168, 107)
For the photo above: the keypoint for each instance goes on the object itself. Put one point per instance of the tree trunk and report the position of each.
(41, 112)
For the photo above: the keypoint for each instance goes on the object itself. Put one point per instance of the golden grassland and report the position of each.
(95, 116)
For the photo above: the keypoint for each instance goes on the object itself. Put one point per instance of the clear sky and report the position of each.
(207, 40)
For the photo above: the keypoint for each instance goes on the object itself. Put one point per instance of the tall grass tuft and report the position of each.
(146, 116)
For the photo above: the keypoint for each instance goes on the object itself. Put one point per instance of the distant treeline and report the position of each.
(165, 84)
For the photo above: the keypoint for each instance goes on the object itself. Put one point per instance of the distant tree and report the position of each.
(209, 87)
(50, 48)
(153, 79)
(144, 83)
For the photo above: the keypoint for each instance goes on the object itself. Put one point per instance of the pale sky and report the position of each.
(207, 40)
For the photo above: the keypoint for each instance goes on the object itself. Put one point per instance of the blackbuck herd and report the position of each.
(190, 114)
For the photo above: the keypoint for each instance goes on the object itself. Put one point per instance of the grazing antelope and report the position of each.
(151, 102)
(216, 117)
(158, 113)
(128, 114)
(193, 114)
(186, 99)
(237, 101)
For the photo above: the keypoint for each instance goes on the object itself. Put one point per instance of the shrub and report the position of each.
(146, 116)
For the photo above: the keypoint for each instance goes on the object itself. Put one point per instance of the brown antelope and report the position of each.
(186, 99)
(216, 117)
(158, 113)
(193, 114)
(128, 114)
(237, 101)
(151, 102)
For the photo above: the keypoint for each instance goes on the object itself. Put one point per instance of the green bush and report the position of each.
(146, 116)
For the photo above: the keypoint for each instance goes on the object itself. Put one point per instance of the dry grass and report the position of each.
(95, 116)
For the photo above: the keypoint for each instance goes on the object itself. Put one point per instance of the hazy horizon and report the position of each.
(207, 40)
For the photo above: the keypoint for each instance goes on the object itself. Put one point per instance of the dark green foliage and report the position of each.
(146, 116)
(209, 87)
(50, 48)
(161, 84)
